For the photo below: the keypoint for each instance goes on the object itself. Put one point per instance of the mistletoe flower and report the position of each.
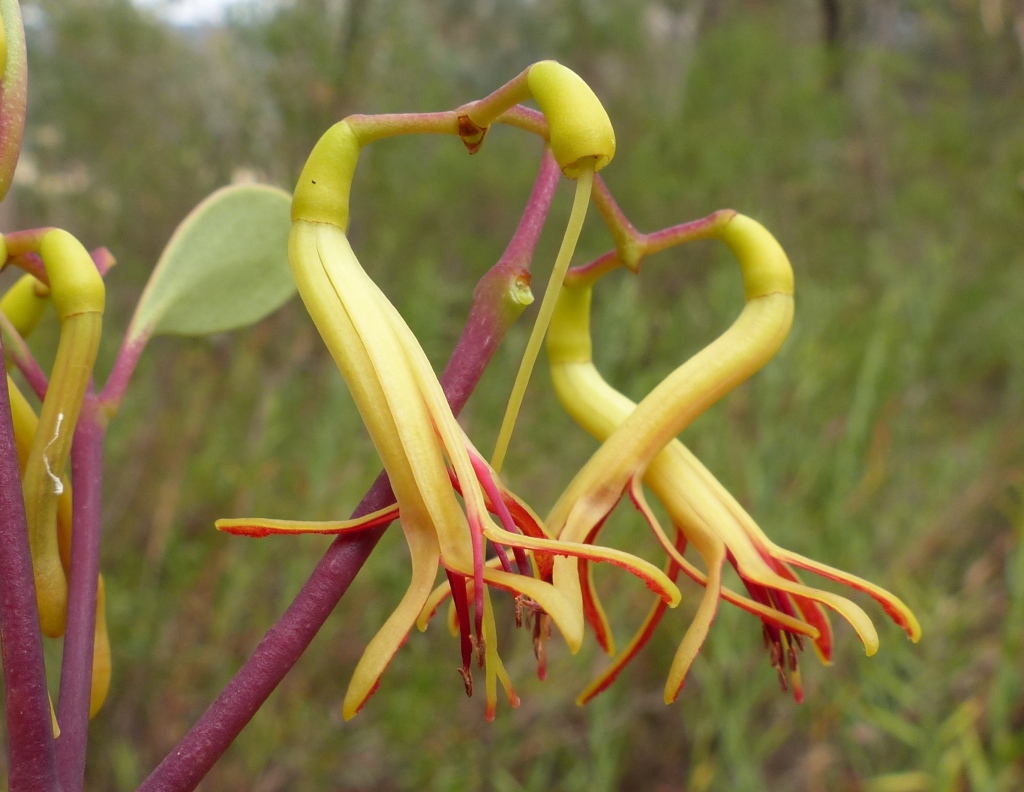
(640, 448)
(21, 308)
(421, 445)
(78, 295)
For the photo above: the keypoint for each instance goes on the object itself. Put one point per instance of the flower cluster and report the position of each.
(451, 502)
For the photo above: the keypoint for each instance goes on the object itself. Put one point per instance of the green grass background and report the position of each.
(885, 438)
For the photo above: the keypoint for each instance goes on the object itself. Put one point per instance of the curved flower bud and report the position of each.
(702, 511)
(78, 295)
(22, 306)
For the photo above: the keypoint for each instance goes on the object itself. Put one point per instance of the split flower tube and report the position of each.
(704, 514)
(423, 448)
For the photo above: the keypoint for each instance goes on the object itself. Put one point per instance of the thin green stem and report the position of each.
(547, 307)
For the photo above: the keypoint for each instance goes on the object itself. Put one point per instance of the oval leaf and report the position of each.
(225, 266)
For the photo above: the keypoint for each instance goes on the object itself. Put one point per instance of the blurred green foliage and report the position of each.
(885, 439)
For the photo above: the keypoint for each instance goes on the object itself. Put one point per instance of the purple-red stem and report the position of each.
(76, 665)
(461, 372)
(24, 360)
(280, 648)
(29, 730)
(636, 246)
(186, 765)
(127, 359)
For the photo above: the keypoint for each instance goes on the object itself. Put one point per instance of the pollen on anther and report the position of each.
(467, 680)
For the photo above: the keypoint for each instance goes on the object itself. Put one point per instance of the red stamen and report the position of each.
(541, 632)
(478, 650)
(811, 611)
(497, 504)
(457, 583)
(522, 519)
(467, 680)
(476, 532)
(503, 557)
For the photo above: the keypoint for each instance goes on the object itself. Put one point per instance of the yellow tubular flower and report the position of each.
(23, 306)
(77, 291)
(421, 445)
(702, 511)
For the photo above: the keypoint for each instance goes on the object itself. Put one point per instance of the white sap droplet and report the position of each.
(58, 485)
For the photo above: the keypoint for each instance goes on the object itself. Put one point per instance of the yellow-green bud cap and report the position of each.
(322, 192)
(578, 124)
(75, 284)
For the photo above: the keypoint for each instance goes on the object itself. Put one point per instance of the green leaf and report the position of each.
(225, 266)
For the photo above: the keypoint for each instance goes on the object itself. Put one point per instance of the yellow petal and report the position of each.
(655, 579)
(566, 613)
(259, 527)
(424, 551)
